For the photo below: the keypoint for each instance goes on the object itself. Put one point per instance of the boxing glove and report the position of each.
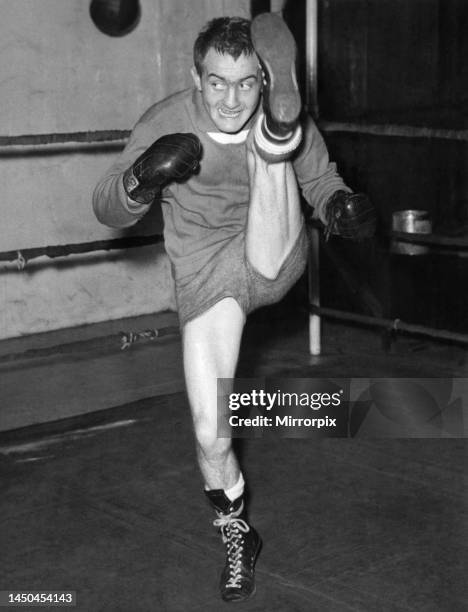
(350, 215)
(174, 157)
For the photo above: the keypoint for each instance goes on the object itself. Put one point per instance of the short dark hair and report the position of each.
(227, 35)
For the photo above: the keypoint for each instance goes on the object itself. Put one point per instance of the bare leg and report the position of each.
(275, 216)
(211, 345)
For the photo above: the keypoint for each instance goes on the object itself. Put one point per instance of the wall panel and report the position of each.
(59, 73)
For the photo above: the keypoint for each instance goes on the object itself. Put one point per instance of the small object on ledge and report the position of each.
(127, 339)
(410, 222)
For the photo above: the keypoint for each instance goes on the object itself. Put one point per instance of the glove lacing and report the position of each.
(333, 216)
(232, 530)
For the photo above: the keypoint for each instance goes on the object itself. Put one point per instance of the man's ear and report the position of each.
(196, 78)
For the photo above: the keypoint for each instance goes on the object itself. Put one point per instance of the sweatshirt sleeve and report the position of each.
(316, 174)
(111, 204)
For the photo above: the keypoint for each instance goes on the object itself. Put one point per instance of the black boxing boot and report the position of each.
(350, 215)
(279, 133)
(242, 546)
(171, 158)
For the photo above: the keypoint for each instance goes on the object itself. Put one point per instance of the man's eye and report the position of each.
(246, 86)
(217, 85)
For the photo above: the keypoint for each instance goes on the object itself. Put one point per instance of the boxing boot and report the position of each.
(350, 215)
(242, 546)
(279, 133)
(174, 157)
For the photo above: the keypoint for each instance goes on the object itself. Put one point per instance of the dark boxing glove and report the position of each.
(350, 215)
(171, 158)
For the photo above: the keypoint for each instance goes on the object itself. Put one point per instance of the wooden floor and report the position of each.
(108, 501)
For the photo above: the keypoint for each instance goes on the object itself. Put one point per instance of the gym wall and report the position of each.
(60, 74)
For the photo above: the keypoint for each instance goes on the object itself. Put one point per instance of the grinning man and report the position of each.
(226, 159)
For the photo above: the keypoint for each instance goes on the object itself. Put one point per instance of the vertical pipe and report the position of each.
(312, 57)
(312, 106)
(314, 292)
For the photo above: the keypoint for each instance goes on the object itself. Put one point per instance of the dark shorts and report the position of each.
(230, 274)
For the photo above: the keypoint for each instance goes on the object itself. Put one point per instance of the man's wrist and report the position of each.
(134, 190)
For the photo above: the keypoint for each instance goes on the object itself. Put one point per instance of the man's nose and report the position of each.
(231, 100)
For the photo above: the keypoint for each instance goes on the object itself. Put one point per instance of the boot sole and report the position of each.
(276, 49)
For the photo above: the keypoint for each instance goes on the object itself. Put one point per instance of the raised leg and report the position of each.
(275, 218)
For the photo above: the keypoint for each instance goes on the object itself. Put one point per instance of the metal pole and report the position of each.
(395, 325)
(314, 292)
(389, 130)
(21, 256)
(312, 57)
(312, 106)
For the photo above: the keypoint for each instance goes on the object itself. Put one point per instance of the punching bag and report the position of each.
(115, 17)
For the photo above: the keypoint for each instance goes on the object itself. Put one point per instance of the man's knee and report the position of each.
(212, 446)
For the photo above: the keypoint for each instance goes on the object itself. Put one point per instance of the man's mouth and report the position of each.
(224, 112)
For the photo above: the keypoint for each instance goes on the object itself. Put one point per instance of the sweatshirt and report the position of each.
(210, 208)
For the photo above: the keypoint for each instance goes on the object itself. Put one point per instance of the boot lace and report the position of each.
(232, 530)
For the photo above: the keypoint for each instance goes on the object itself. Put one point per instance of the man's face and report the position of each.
(230, 89)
